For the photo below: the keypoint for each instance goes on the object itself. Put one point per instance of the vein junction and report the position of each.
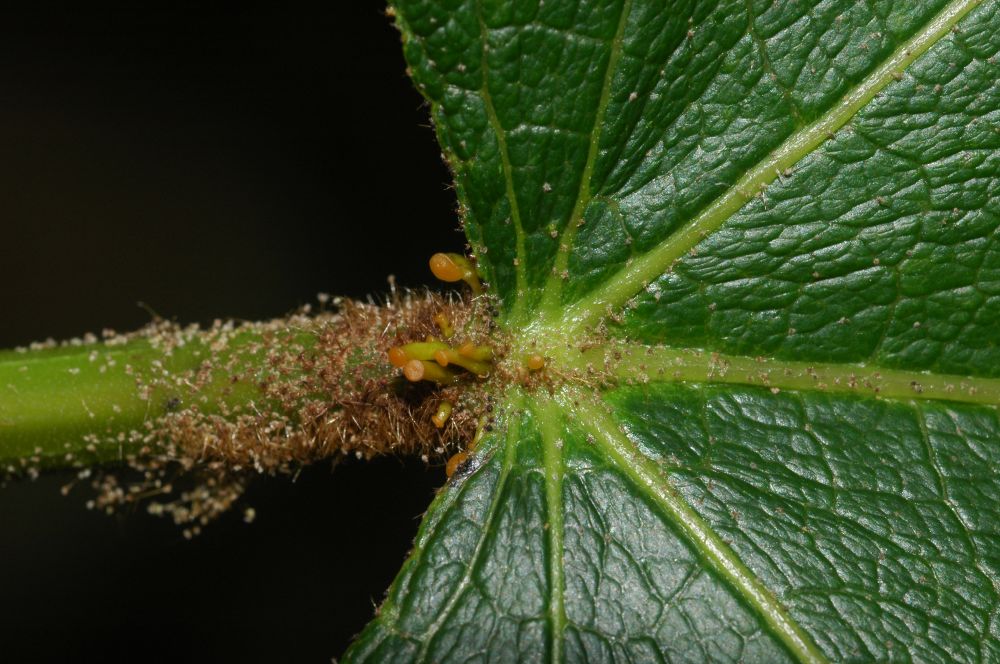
(649, 479)
(639, 272)
(558, 329)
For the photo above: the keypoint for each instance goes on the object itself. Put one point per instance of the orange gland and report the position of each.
(449, 267)
(447, 356)
(441, 416)
(417, 370)
(414, 370)
(535, 362)
(455, 267)
(398, 357)
(443, 324)
(454, 462)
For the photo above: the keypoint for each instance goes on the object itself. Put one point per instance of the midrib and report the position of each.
(718, 556)
(642, 270)
(638, 363)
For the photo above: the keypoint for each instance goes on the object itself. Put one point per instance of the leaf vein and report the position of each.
(456, 594)
(553, 288)
(631, 362)
(501, 136)
(636, 274)
(550, 426)
(648, 478)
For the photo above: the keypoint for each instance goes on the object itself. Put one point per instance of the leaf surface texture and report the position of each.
(775, 227)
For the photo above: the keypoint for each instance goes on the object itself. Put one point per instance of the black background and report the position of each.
(209, 164)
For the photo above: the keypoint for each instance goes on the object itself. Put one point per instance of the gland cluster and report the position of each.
(456, 359)
(440, 362)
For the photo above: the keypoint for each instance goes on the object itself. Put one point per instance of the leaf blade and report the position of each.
(654, 263)
(838, 519)
(667, 189)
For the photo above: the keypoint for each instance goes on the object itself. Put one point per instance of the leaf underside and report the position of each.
(805, 194)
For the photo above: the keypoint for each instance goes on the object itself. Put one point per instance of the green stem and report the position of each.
(78, 404)
(50, 400)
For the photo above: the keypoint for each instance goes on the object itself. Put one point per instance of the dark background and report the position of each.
(210, 164)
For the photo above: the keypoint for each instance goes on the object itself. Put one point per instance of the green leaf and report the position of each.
(757, 244)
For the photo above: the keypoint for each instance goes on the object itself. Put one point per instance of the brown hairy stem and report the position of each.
(270, 398)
